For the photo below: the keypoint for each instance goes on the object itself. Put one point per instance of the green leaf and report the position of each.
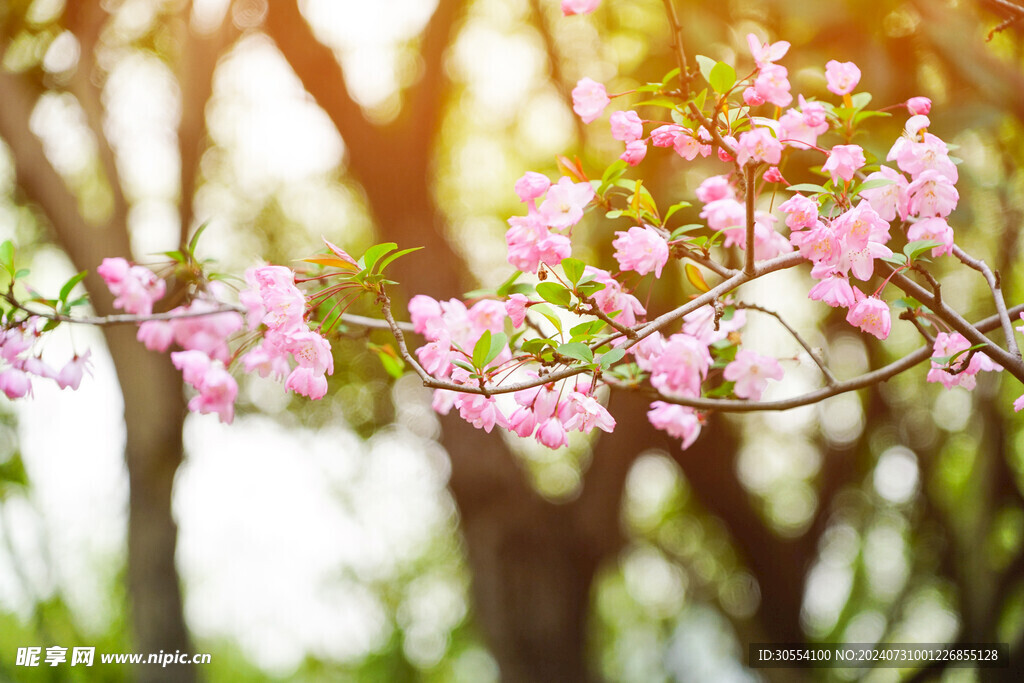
(393, 366)
(481, 350)
(611, 357)
(914, 249)
(386, 262)
(537, 345)
(896, 259)
(548, 313)
(872, 184)
(675, 207)
(614, 213)
(505, 288)
(576, 351)
(7, 256)
(22, 272)
(669, 76)
(706, 65)
(554, 293)
(722, 77)
(498, 342)
(374, 253)
(807, 187)
(723, 389)
(70, 284)
(861, 100)
(683, 229)
(195, 237)
(590, 288)
(573, 269)
(586, 330)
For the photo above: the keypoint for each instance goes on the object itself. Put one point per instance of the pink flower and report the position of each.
(530, 243)
(487, 314)
(267, 360)
(1018, 405)
(765, 53)
(532, 185)
(620, 305)
(515, 307)
(860, 225)
(552, 434)
(135, 288)
(522, 421)
(586, 413)
(71, 374)
(480, 411)
(802, 212)
(843, 161)
(679, 421)
(641, 249)
(758, 145)
(589, 98)
(682, 366)
(919, 105)
(773, 175)
(15, 383)
(425, 313)
(626, 126)
(834, 290)
(872, 316)
(800, 129)
(156, 335)
(931, 152)
(280, 303)
(722, 214)
(570, 7)
(635, 152)
(751, 372)
(217, 394)
(193, 365)
(933, 229)
(688, 147)
(772, 85)
(888, 200)
(842, 77)
(955, 373)
(751, 98)
(818, 245)
(564, 204)
(703, 325)
(932, 194)
(310, 349)
(665, 136)
(715, 187)
(306, 381)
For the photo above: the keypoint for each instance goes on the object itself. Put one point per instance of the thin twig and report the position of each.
(677, 47)
(596, 311)
(818, 360)
(997, 295)
(748, 266)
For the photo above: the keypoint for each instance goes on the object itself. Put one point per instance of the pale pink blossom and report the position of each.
(589, 98)
(860, 225)
(635, 152)
(532, 186)
(530, 243)
(932, 194)
(564, 204)
(751, 97)
(682, 367)
(801, 211)
(552, 434)
(156, 335)
(888, 200)
(641, 249)
(515, 307)
(714, 188)
(680, 422)
(15, 383)
(307, 382)
(487, 314)
(570, 7)
(800, 129)
(722, 214)
(843, 161)
(626, 126)
(705, 325)
(622, 306)
(135, 288)
(688, 147)
(772, 85)
(933, 229)
(835, 290)
(919, 105)
(217, 394)
(842, 77)
(963, 370)
(871, 314)
(915, 157)
(758, 145)
(425, 313)
(665, 136)
(766, 53)
(751, 372)
(585, 413)
(70, 376)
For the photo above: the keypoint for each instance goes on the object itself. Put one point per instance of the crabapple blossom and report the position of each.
(530, 243)
(135, 288)
(613, 300)
(563, 206)
(835, 290)
(751, 372)
(961, 371)
(800, 129)
(936, 229)
(758, 145)
(713, 188)
(589, 98)
(889, 200)
(751, 97)
(515, 307)
(842, 77)
(552, 433)
(931, 194)
(919, 105)
(586, 413)
(680, 422)
(570, 7)
(765, 53)
(635, 152)
(871, 314)
(843, 161)
(772, 85)
(626, 126)
(801, 211)
(70, 376)
(15, 383)
(532, 185)
(641, 249)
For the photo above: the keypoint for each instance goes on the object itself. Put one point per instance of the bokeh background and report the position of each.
(362, 537)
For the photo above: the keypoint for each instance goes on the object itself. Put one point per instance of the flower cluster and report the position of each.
(18, 363)
(538, 237)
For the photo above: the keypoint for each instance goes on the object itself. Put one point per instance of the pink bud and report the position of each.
(919, 105)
